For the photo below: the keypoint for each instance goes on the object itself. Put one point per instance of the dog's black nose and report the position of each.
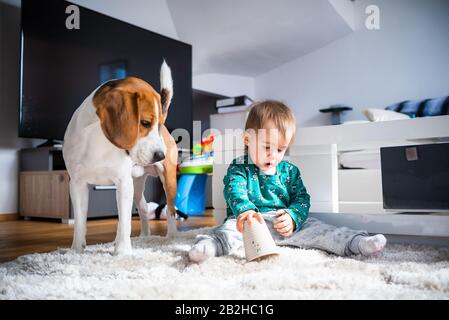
(158, 156)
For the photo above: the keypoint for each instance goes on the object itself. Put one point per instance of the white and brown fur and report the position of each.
(117, 136)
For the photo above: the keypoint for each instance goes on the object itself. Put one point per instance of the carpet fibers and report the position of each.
(159, 269)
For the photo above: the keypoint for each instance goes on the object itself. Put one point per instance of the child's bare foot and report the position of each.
(372, 245)
(203, 250)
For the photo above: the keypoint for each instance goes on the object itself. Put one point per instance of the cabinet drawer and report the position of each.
(44, 194)
(364, 185)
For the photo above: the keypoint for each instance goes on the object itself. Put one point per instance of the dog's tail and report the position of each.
(166, 87)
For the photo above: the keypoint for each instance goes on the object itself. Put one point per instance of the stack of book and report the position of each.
(236, 104)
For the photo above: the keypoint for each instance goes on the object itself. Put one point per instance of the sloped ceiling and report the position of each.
(251, 37)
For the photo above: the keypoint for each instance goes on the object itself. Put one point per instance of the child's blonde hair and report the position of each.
(271, 110)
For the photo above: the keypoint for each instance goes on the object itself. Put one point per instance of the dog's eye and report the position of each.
(145, 123)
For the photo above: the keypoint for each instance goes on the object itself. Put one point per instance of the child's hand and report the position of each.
(248, 216)
(284, 224)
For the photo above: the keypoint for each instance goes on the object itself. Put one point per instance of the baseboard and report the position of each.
(9, 216)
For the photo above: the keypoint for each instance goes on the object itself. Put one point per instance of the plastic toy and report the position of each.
(191, 194)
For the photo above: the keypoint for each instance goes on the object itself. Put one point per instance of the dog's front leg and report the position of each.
(124, 194)
(79, 194)
(141, 204)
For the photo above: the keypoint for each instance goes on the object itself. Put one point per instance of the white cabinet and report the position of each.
(228, 145)
(230, 121)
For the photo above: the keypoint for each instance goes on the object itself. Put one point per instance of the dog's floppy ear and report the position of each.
(166, 89)
(118, 111)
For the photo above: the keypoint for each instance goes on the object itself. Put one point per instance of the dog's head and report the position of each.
(131, 113)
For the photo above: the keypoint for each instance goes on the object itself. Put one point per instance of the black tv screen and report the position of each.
(60, 67)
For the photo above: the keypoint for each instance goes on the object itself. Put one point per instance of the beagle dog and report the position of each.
(117, 136)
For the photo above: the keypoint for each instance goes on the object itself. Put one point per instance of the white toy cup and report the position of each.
(258, 241)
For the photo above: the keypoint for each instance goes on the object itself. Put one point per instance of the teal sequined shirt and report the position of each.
(248, 188)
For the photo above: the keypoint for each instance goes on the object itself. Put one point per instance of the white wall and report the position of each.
(345, 9)
(9, 185)
(227, 85)
(152, 15)
(408, 58)
(10, 143)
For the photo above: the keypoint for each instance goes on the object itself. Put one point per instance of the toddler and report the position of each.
(260, 185)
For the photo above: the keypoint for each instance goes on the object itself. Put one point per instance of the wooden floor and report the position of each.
(22, 237)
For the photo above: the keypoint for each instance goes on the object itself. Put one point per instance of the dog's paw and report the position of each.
(124, 248)
(172, 228)
(172, 233)
(78, 247)
(144, 234)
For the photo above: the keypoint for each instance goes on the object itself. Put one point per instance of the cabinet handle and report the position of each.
(105, 188)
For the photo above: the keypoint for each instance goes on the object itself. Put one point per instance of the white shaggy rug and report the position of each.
(159, 269)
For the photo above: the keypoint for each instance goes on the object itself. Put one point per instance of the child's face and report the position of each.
(267, 146)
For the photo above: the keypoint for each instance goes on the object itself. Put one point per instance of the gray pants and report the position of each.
(314, 234)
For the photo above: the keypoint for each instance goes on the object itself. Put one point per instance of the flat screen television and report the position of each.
(60, 67)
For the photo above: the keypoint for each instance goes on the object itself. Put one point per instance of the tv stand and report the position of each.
(49, 143)
(44, 188)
